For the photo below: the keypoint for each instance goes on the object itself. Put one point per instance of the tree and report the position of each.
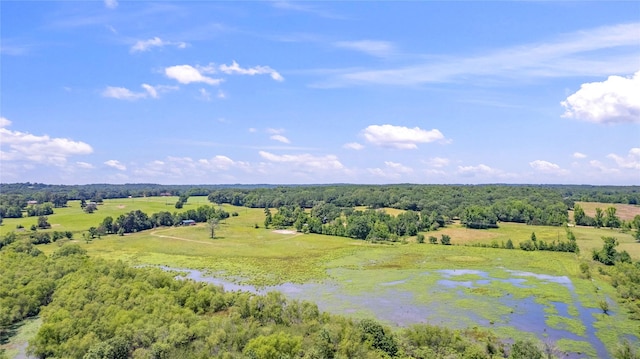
(268, 218)
(509, 244)
(445, 239)
(433, 239)
(43, 222)
(610, 219)
(525, 350)
(90, 207)
(420, 238)
(598, 220)
(607, 255)
(578, 215)
(213, 225)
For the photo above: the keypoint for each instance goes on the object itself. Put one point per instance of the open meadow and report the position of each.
(536, 294)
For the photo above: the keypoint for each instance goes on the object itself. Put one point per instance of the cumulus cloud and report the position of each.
(399, 137)
(111, 4)
(353, 146)
(234, 68)
(614, 100)
(280, 138)
(23, 146)
(631, 161)
(547, 167)
(146, 45)
(116, 164)
(370, 47)
(186, 74)
(4, 122)
(305, 161)
(579, 155)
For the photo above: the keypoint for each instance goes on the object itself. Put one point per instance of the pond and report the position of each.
(453, 298)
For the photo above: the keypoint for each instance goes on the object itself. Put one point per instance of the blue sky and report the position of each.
(320, 92)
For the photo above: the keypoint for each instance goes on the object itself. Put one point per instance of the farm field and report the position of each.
(506, 290)
(623, 211)
(73, 218)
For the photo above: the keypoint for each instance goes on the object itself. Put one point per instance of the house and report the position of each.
(188, 222)
(32, 202)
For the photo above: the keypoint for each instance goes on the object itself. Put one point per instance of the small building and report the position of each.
(188, 222)
(32, 202)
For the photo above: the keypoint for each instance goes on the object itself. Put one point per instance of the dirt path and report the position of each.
(155, 234)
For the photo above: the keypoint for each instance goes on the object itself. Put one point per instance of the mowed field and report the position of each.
(625, 212)
(73, 218)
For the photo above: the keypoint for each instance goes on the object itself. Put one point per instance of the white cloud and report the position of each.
(150, 90)
(123, 93)
(221, 94)
(371, 47)
(22, 146)
(146, 45)
(187, 74)
(111, 4)
(547, 167)
(116, 164)
(4, 122)
(399, 137)
(280, 138)
(437, 162)
(253, 130)
(305, 161)
(614, 100)
(631, 161)
(481, 169)
(234, 68)
(84, 165)
(582, 53)
(275, 131)
(353, 146)
(579, 155)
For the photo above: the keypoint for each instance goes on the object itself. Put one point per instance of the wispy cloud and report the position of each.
(370, 47)
(280, 138)
(123, 93)
(111, 4)
(305, 161)
(353, 146)
(235, 68)
(116, 164)
(574, 54)
(146, 45)
(305, 7)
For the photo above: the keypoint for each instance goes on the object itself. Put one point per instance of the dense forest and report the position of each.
(96, 309)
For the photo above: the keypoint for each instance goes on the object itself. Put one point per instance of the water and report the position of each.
(395, 305)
